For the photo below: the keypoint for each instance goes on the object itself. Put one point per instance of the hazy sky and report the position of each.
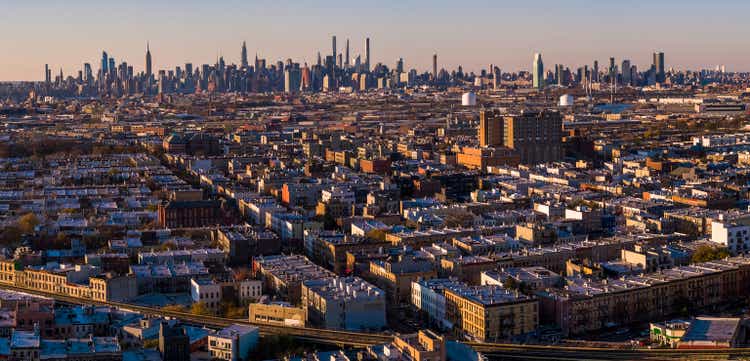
(693, 34)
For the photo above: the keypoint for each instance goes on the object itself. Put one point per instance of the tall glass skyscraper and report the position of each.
(537, 71)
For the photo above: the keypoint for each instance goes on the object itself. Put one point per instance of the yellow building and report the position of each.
(70, 281)
(7, 272)
(424, 345)
(481, 158)
(491, 313)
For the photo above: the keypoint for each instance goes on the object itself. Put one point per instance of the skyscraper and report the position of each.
(243, 56)
(659, 67)
(626, 72)
(537, 72)
(496, 77)
(148, 61)
(105, 59)
(88, 74)
(560, 74)
(367, 54)
(595, 74)
(333, 47)
(434, 67)
(47, 74)
(111, 68)
(305, 78)
(292, 79)
(346, 59)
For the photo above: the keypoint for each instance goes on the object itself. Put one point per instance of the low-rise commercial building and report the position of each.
(277, 313)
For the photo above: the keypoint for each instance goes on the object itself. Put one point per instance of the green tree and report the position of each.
(233, 310)
(706, 253)
(174, 308)
(153, 343)
(200, 309)
(376, 234)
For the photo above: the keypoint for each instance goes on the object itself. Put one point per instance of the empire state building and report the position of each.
(148, 61)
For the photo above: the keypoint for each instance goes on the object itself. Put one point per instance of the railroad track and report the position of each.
(363, 339)
(333, 337)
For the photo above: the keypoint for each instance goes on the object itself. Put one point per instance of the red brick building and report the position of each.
(184, 214)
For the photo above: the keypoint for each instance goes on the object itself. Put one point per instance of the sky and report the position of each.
(65, 34)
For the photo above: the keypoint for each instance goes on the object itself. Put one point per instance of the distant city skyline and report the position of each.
(507, 34)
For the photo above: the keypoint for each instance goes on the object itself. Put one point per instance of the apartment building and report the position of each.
(490, 313)
(347, 303)
(284, 274)
(732, 232)
(233, 343)
(428, 297)
(395, 275)
(585, 305)
(74, 281)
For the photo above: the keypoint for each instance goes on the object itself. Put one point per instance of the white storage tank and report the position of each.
(566, 100)
(469, 99)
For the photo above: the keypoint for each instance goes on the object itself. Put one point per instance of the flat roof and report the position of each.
(711, 329)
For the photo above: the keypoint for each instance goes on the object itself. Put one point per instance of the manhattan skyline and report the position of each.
(472, 35)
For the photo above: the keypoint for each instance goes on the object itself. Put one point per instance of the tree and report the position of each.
(61, 241)
(706, 253)
(27, 223)
(174, 308)
(512, 284)
(376, 234)
(242, 273)
(276, 347)
(200, 309)
(153, 343)
(167, 246)
(233, 310)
